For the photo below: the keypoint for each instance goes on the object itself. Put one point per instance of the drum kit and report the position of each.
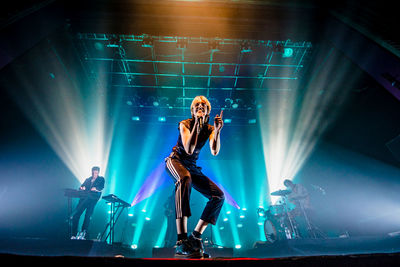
(280, 223)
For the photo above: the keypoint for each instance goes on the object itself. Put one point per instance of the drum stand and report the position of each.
(313, 230)
(293, 228)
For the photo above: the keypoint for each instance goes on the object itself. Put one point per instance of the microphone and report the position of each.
(201, 122)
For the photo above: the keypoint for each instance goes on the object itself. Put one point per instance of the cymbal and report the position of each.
(281, 193)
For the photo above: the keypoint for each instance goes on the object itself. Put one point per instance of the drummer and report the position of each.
(298, 196)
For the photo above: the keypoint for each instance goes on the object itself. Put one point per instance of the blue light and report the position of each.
(238, 246)
(252, 121)
(135, 118)
(227, 120)
(162, 119)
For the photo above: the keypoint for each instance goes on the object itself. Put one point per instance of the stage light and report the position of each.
(134, 246)
(228, 212)
(129, 103)
(244, 209)
(260, 223)
(287, 52)
(181, 43)
(225, 219)
(241, 216)
(147, 42)
(227, 120)
(252, 121)
(147, 218)
(245, 47)
(130, 214)
(213, 45)
(292, 123)
(221, 228)
(239, 225)
(238, 246)
(228, 102)
(161, 119)
(135, 118)
(143, 210)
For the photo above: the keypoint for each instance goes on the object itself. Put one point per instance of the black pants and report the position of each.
(87, 204)
(185, 176)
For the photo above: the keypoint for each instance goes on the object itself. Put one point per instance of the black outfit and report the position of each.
(185, 173)
(88, 203)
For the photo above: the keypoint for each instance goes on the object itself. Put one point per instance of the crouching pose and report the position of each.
(181, 166)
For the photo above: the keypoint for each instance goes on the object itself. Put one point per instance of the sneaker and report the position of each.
(197, 245)
(185, 250)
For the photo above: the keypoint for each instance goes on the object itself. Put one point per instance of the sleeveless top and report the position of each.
(178, 151)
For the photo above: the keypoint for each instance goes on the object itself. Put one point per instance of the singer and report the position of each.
(181, 166)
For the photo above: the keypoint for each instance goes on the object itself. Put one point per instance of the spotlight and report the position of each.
(134, 246)
(225, 219)
(245, 47)
(114, 42)
(239, 225)
(130, 214)
(147, 219)
(181, 43)
(129, 103)
(228, 102)
(147, 42)
(213, 45)
(241, 216)
(161, 119)
(238, 246)
(135, 118)
(237, 103)
(261, 212)
(287, 52)
(227, 120)
(252, 121)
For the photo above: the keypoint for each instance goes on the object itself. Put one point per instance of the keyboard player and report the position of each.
(93, 186)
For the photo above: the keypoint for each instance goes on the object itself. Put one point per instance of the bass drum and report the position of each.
(273, 231)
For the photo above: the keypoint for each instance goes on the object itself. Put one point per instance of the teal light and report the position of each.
(161, 119)
(135, 118)
(287, 52)
(163, 232)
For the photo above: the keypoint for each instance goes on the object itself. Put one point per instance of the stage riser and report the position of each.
(214, 252)
(46, 247)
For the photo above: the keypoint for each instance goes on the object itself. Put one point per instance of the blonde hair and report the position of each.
(201, 98)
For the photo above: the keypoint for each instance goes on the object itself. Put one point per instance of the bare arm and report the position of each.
(189, 138)
(215, 143)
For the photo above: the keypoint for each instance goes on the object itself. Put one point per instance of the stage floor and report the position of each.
(302, 248)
